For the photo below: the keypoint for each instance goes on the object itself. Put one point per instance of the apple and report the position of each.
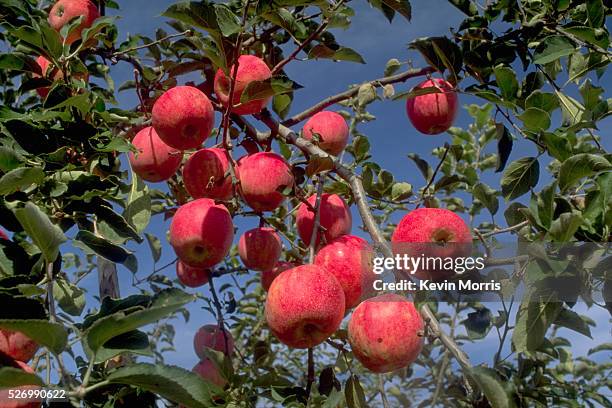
(201, 233)
(17, 345)
(50, 72)
(206, 174)
(263, 177)
(349, 259)
(214, 337)
(3, 235)
(260, 248)
(250, 68)
(331, 130)
(433, 113)
(6, 402)
(268, 275)
(433, 232)
(183, 117)
(155, 160)
(209, 372)
(305, 305)
(385, 333)
(191, 276)
(64, 11)
(334, 216)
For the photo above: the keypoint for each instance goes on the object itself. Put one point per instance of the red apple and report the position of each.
(17, 345)
(433, 113)
(183, 117)
(3, 235)
(64, 11)
(214, 337)
(385, 333)
(263, 176)
(433, 232)
(331, 130)
(260, 248)
(334, 216)
(50, 72)
(209, 372)
(206, 174)
(305, 305)
(155, 160)
(192, 276)
(250, 68)
(267, 276)
(6, 402)
(349, 259)
(201, 233)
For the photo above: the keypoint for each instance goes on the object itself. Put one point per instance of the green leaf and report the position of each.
(478, 323)
(542, 100)
(353, 392)
(281, 104)
(256, 90)
(400, 6)
(579, 166)
(155, 246)
(440, 52)
(596, 12)
(520, 176)
(392, 66)
(401, 191)
(50, 335)
(491, 386)
(173, 383)
(20, 179)
(341, 54)
(535, 119)
(532, 321)
(228, 22)
(46, 236)
(546, 204)
(504, 146)
(423, 166)
(106, 328)
(9, 159)
(11, 377)
(103, 247)
(138, 209)
(366, 94)
(487, 196)
(563, 228)
(70, 298)
(506, 81)
(552, 48)
(135, 342)
(571, 108)
(573, 321)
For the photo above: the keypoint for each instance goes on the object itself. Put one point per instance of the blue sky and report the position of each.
(391, 136)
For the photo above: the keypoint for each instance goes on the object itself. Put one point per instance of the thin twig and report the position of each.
(311, 372)
(435, 173)
(278, 67)
(381, 390)
(140, 47)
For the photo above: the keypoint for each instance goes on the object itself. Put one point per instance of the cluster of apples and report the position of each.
(16, 349)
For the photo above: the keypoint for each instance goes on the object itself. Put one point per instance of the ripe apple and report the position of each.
(214, 337)
(349, 259)
(433, 232)
(183, 117)
(201, 233)
(260, 248)
(6, 402)
(191, 276)
(50, 72)
(250, 68)
(334, 216)
(64, 11)
(206, 174)
(268, 275)
(155, 160)
(305, 305)
(332, 131)
(263, 176)
(209, 372)
(17, 345)
(384, 333)
(433, 113)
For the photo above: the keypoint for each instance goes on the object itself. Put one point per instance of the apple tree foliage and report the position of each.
(73, 207)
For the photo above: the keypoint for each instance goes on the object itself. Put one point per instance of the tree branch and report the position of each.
(353, 91)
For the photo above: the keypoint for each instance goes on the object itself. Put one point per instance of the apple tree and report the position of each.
(83, 179)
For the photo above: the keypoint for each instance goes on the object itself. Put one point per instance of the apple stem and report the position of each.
(311, 372)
